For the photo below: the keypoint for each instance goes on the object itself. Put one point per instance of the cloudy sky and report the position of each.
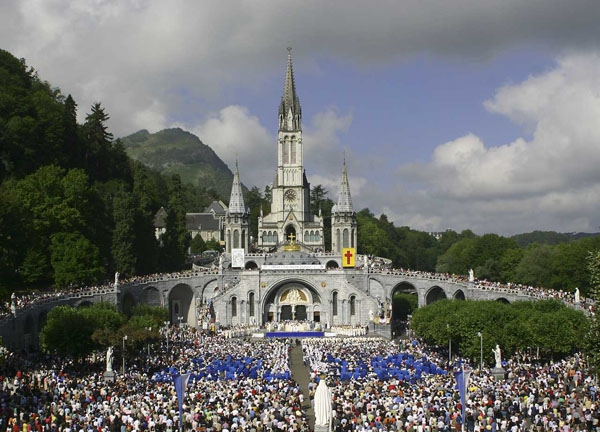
(462, 114)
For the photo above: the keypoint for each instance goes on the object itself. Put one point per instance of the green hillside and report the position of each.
(175, 151)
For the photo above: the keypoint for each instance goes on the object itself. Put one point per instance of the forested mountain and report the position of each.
(175, 151)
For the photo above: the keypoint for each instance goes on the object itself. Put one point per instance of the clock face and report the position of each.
(290, 195)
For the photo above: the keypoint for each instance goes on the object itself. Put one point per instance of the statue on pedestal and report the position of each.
(109, 359)
(498, 356)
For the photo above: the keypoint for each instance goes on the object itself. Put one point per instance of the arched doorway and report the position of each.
(404, 301)
(292, 301)
(290, 233)
(180, 305)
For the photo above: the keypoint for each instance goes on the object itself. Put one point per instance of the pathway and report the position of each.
(301, 375)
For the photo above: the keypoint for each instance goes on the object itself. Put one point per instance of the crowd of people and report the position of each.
(244, 384)
(374, 388)
(235, 384)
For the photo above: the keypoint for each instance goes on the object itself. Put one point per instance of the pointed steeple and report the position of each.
(236, 201)
(344, 202)
(290, 113)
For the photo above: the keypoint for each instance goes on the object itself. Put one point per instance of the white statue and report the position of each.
(577, 299)
(471, 275)
(116, 280)
(109, 359)
(498, 356)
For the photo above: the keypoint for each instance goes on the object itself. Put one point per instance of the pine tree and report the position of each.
(176, 238)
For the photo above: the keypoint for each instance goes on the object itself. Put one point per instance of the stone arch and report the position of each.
(151, 296)
(28, 327)
(459, 295)
(332, 264)
(290, 229)
(376, 289)
(251, 265)
(405, 299)
(84, 304)
(128, 303)
(181, 304)
(42, 318)
(434, 294)
(295, 298)
(502, 300)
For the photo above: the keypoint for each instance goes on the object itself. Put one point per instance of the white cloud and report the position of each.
(156, 64)
(233, 133)
(550, 181)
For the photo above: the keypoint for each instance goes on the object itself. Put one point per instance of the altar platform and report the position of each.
(294, 334)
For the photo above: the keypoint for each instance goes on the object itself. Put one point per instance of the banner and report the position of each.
(462, 383)
(237, 258)
(348, 257)
(180, 382)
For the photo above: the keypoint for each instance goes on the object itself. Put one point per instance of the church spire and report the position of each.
(344, 202)
(236, 201)
(290, 113)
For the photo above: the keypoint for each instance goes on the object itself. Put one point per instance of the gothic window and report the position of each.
(229, 239)
(233, 306)
(352, 238)
(293, 151)
(335, 304)
(337, 238)
(243, 242)
(346, 239)
(286, 150)
(307, 237)
(353, 305)
(236, 239)
(251, 303)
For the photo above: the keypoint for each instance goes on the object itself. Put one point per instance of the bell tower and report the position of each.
(290, 219)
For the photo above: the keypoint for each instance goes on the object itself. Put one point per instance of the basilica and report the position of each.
(296, 276)
(287, 273)
(290, 225)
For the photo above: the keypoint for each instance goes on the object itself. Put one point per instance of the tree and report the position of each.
(175, 239)
(75, 260)
(197, 245)
(549, 325)
(534, 268)
(592, 338)
(74, 331)
(123, 236)
(97, 142)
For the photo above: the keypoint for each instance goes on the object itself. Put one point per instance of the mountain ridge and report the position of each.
(176, 151)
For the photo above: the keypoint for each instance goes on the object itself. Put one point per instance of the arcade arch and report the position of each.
(292, 300)
(180, 304)
(434, 294)
(151, 296)
(459, 295)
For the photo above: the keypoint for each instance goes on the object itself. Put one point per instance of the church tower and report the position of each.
(343, 218)
(237, 218)
(290, 225)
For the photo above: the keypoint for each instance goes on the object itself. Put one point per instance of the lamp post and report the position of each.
(449, 345)
(124, 339)
(149, 336)
(480, 334)
(167, 333)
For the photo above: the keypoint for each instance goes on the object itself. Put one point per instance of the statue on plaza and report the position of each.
(577, 298)
(109, 359)
(471, 275)
(116, 280)
(498, 356)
